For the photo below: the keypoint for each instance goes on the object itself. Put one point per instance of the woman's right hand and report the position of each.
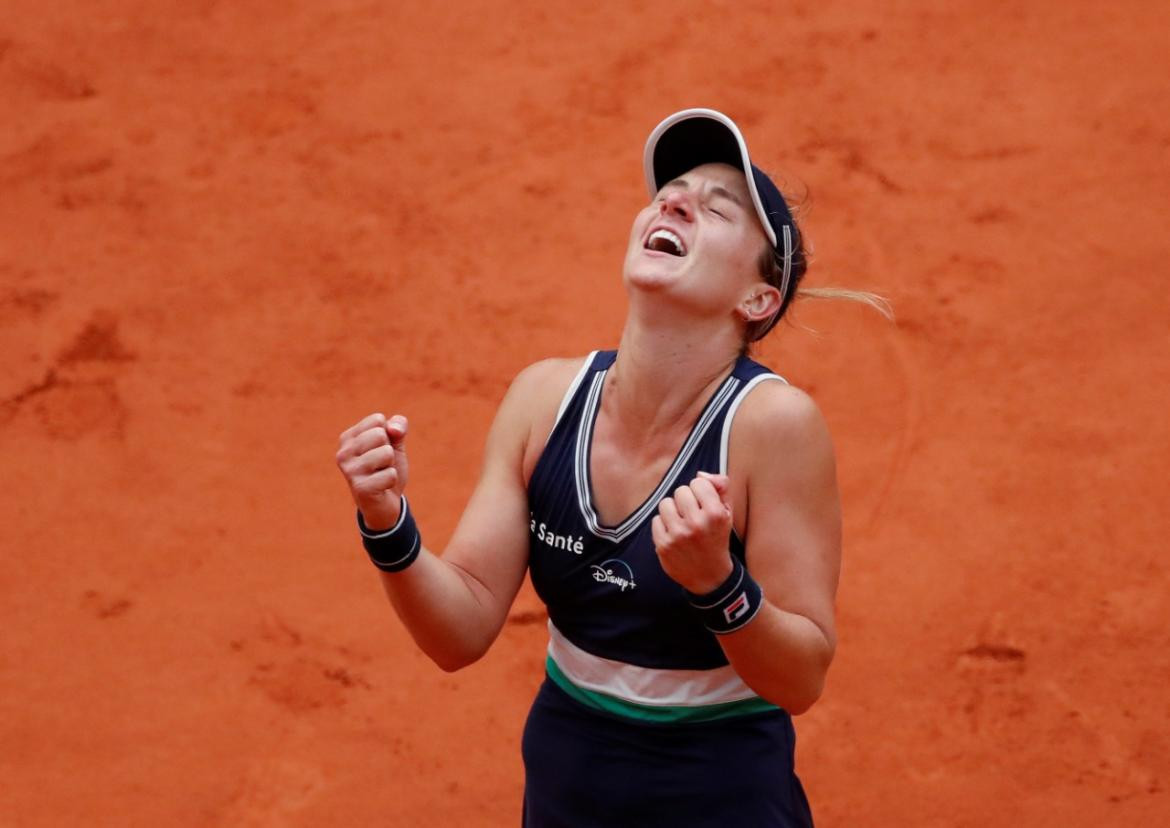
(372, 458)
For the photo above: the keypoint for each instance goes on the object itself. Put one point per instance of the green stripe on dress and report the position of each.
(666, 714)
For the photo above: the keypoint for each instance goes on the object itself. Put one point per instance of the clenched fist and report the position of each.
(691, 531)
(372, 457)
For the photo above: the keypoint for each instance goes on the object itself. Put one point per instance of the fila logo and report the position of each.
(736, 609)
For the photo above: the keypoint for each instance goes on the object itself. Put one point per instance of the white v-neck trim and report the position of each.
(583, 449)
(573, 386)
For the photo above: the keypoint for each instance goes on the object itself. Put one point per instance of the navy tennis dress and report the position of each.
(640, 721)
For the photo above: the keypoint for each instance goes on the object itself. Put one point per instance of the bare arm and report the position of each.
(792, 528)
(455, 605)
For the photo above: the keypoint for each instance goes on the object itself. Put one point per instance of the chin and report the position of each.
(648, 279)
(650, 274)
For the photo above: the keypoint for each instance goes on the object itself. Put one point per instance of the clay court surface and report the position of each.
(230, 230)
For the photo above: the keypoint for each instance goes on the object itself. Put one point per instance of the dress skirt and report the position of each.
(586, 768)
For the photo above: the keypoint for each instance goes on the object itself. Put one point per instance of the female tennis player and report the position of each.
(676, 505)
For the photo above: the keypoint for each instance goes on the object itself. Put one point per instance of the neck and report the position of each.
(664, 373)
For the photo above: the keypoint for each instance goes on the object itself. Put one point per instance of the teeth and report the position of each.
(670, 238)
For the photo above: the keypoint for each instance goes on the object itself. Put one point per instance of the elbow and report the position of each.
(814, 686)
(795, 700)
(803, 702)
(799, 697)
(452, 665)
(811, 690)
(452, 661)
(451, 650)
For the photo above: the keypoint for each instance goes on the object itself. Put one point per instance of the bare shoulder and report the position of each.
(775, 412)
(533, 400)
(536, 379)
(540, 387)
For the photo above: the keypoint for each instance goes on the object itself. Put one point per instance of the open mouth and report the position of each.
(664, 241)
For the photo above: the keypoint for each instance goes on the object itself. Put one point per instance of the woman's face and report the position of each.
(699, 241)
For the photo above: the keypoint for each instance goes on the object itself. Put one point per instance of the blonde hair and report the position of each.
(874, 300)
(771, 269)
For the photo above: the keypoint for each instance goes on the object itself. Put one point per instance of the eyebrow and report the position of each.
(716, 190)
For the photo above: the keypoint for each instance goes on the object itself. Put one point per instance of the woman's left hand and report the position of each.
(691, 531)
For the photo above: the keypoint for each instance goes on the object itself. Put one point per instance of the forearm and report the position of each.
(453, 606)
(782, 656)
(450, 615)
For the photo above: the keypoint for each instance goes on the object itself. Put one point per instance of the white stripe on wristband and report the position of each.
(732, 604)
(396, 548)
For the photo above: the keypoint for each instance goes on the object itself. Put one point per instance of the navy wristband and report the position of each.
(731, 604)
(396, 548)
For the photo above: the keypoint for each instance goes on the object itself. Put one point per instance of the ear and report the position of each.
(760, 302)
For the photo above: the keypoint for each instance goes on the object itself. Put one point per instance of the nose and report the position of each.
(677, 201)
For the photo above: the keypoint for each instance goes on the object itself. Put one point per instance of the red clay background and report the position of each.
(228, 230)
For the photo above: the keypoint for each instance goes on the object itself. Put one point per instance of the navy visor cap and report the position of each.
(692, 137)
